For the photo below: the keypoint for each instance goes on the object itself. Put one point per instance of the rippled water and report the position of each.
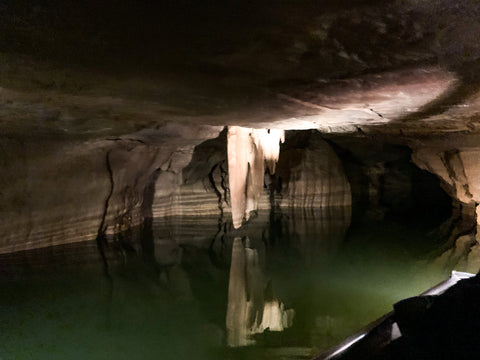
(200, 295)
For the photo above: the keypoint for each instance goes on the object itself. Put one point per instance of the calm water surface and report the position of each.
(212, 296)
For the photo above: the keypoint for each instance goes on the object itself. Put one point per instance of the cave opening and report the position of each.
(390, 191)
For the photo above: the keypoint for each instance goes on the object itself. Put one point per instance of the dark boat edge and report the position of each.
(384, 330)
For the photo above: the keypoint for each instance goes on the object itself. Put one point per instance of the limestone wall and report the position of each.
(56, 191)
(459, 169)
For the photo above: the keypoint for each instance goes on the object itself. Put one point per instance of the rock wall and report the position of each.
(308, 199)
(310, 175)
(52, 192)
(458, 168)
(57, 191)
(311, 196)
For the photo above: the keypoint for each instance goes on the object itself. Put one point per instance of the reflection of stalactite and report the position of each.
(252, 306)
(237, 298)
(248, 150)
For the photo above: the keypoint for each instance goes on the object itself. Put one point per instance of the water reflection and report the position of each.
(297, 238)
(316, 235)
(252, 306)
(288, 285)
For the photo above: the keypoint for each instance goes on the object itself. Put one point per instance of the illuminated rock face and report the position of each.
(312, 175)
(52, 193)
(248, 150)
(313, 187)
(332, 68)
(252, 307)
(59, 191)
(309, 195)
(459, 170)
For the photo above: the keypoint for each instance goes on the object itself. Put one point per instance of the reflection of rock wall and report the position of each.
(252, 307)
(315, 234)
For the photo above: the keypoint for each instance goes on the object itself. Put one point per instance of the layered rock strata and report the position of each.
(57, 190)
(309, 184)
(108, 188)
(459, 171)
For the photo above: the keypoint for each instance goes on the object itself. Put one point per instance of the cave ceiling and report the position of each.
(97, 69)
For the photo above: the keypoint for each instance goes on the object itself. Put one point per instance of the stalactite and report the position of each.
(269, 140)
(256, 171)
(238, 143)
(248, 151)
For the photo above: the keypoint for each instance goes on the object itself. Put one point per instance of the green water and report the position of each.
(178, 311)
